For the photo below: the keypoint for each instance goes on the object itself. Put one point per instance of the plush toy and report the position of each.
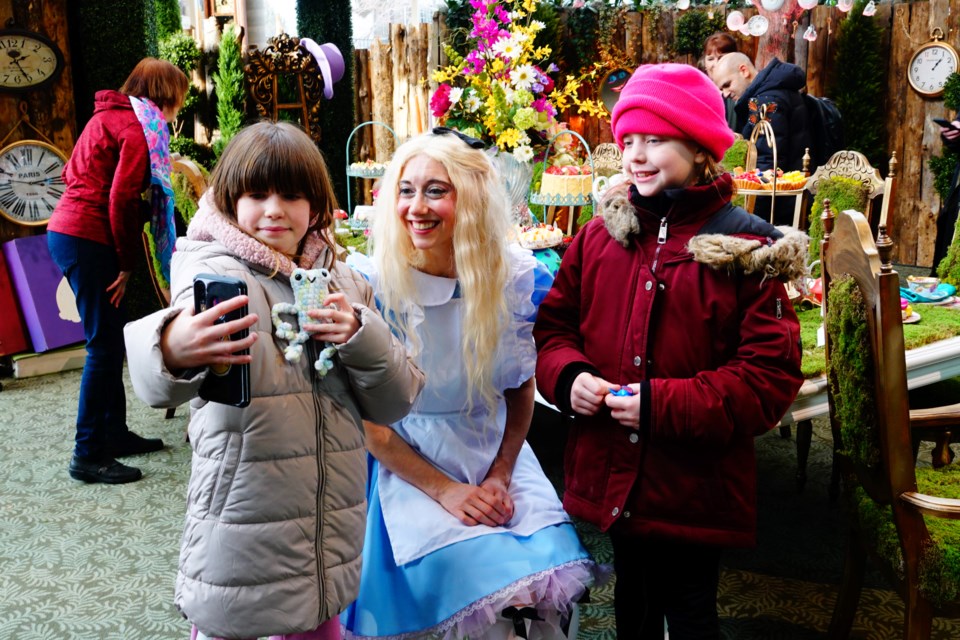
(309, 292)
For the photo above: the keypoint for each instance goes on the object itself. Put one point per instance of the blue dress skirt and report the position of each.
(424, 598)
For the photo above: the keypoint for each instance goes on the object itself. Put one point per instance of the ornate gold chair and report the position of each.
(853, 164)
(898, 515)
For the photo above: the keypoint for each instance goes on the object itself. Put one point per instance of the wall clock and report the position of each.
(28, 60)
(30, 181)
(931, 65)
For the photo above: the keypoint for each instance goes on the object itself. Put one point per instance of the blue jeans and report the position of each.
(90, 267)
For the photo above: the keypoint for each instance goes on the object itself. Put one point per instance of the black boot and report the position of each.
(102, 469)
(129, 443)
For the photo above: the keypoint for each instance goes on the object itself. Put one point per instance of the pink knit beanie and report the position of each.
(674, 100)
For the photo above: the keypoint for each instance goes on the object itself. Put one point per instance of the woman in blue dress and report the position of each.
(465, 535)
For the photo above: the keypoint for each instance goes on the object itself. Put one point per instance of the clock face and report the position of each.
(30, 181)
(930, 68)
(224, 7)
(27, 60)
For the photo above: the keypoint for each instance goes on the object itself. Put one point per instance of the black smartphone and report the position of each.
(946, 124)
(226, 384)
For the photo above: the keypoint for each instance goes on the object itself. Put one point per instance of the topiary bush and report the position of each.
(168, 18)
(228, 83)
(843, 193)
(858, 84)
(693, 27)
(943, 167)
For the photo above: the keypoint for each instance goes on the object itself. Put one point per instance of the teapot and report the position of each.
(602, 183)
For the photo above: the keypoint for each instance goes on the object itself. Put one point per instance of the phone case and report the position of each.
(226, 384)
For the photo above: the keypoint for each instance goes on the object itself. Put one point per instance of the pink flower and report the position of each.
(577, 4)
(475, 60)
(440, 102)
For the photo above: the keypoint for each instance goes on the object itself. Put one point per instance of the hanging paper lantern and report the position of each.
(744, 29)
(757, 25)
(870, 9)
(810, 34)
(807, 4)
(845, 5)
(771, 5)
(683, 5)
(734, 20)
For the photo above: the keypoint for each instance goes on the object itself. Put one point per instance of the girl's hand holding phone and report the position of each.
(337, 322)
(198, 340)
(625, 407)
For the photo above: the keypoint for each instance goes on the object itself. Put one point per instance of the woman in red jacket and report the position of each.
(669, 337)
(94, 236)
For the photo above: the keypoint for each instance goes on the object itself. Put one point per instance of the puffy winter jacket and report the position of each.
(703, 323)
(105, 177)
(276, 503)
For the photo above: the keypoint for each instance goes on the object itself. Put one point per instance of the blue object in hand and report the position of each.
(622, 391)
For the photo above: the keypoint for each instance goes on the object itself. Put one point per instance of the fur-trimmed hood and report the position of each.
(729, 239)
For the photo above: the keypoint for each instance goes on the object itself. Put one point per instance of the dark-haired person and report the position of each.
(947, 219)
(94, 236)
(715, 47)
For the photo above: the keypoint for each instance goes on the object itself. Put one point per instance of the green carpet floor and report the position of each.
(92, 562)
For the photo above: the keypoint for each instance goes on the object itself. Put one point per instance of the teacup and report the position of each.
(923, 284)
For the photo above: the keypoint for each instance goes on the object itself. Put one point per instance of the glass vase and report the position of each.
(515, 176)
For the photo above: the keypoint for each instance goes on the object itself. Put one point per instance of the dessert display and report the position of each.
(568, 180)
(758, 180)
(367, 168)
(539, 236)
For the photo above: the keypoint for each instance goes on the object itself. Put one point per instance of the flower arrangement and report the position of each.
(500, 92)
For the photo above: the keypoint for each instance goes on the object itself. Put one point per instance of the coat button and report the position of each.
(626, 514)
(649, 285)
(634, 438)
(661, 286)
(637, 361)
(615, 512)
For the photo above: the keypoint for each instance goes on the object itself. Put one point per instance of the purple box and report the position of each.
(46, 300)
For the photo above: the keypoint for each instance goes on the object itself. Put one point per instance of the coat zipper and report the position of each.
(321, 478)
(661, 240)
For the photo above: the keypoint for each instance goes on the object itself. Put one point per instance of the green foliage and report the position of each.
(843, 193)
(580, 47)
(858, 85)
(189, 148)
(736, 155)
(180, 50)
(183, 200)
(168, 18)
(459, 25)
(692, 28)
(942, 167)
(851, 365)
(951, 92)
(538, 211)
(107, 38)
(326, 21)
(949, 268)
(358, 241)
(229, 85)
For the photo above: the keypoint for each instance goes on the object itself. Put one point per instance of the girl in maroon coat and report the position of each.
(669, 337)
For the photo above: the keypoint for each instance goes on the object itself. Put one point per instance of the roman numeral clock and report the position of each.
(30, 169)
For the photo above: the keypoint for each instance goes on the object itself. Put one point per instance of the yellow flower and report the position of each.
(508, 138)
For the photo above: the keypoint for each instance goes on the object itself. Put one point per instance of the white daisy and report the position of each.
(523, 76)
(523, 153)
(536, 25)
(508, 48)
(455, 94)
(472, 103)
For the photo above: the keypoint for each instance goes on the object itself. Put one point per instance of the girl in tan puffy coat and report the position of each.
(276, 503)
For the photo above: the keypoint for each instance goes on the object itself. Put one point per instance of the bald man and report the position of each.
(773, 93)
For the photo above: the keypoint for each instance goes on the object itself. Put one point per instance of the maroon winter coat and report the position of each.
(704, 324)
(108, 171)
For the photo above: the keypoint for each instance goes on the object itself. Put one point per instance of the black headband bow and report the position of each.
(471, 142)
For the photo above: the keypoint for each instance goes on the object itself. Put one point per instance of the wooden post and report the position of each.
(381, 93)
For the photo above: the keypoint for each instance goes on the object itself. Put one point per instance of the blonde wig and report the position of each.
(275, 156)
(479, 252)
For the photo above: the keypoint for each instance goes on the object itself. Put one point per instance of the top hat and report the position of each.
(330, 61)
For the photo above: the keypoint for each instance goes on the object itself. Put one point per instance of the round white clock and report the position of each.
(30, 181)
(930, 67)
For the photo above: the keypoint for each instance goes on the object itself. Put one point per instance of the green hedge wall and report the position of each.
(107, 39)
(325, 21)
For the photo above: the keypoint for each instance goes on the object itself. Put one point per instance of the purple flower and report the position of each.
(475, 62)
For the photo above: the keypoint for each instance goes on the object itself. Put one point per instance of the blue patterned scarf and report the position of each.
(162, 229)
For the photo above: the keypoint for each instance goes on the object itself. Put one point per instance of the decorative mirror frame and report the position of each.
(283, 56)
